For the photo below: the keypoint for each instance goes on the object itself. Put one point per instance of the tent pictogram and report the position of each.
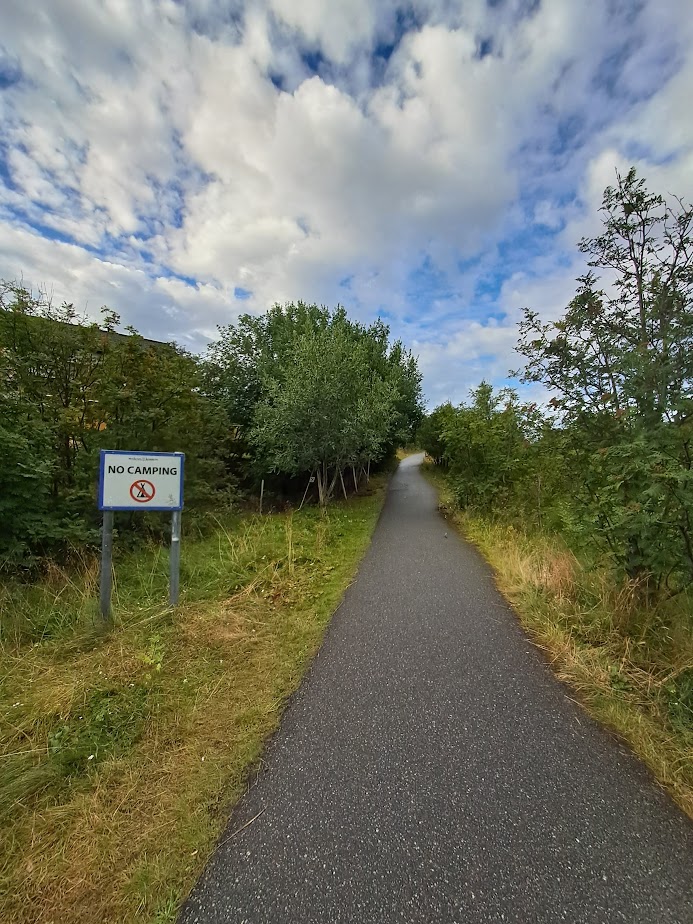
(142, 491)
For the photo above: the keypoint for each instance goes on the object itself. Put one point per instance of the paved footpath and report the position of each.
(431, 769)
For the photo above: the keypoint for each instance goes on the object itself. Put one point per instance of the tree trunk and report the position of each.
(330, 490)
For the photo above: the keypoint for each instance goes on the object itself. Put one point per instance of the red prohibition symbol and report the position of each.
(142, 491)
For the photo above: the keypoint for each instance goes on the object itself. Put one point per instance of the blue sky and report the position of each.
(432, 162)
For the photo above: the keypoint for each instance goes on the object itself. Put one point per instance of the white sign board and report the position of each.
(141, 480)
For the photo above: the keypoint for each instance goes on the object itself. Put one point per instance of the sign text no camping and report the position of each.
(141, 480)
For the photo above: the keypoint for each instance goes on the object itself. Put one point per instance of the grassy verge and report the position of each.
(121, 754)
(630, 665)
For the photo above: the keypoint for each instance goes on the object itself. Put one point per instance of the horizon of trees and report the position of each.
(302, 392)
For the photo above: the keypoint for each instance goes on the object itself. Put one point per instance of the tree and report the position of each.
(324, 410)
(489, 450)
(620, 364)
(26, 474)
(310, 390)
(252, 353)
(432, 430)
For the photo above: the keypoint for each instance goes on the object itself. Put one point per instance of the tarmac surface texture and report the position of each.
(431, 769)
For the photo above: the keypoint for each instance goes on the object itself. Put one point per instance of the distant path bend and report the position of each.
(431, 769)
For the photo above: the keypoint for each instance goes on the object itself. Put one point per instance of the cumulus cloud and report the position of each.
(160, 307)
(473, 353)
(434, 163)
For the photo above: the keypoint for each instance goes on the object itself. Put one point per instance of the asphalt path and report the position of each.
(431, 769)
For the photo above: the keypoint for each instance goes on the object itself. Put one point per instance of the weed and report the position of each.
(109, 722)
(678, 691)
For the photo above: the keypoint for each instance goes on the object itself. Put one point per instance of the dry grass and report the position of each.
(630, 665)
(119, 835)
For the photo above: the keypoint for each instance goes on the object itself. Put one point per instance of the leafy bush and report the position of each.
(70, 389)
(620, 364)
(609, 462)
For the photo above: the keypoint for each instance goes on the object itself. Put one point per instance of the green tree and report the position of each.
(432, 430)
(26, 474)
(249, 354)
(324, 410)
(351, 404)
(620, 364)
(71, 388)
(489, 447)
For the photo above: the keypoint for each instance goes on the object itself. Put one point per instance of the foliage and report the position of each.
(300, 391)
(26, 474)
(620, 363)
(323, 411)
(431, 432)
(494, 449)
(71, 388)
(312, 392)
(608, 462)
(485, 447)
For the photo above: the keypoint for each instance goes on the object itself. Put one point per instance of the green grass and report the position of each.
(121, 753)
(630, 665)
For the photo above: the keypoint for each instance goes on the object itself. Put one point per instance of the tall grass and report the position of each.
(121, 752)
(225, 558)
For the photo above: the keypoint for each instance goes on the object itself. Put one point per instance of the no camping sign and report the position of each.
(139, 481)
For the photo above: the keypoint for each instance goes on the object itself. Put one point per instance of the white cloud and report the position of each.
(337, 29)
(471, 353)
(159, 307)
(195, 140)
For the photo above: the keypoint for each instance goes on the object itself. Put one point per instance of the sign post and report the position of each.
(139, 481)
(174, 559)
(106, 583)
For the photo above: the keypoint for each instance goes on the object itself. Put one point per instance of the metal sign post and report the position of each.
(106, 583)
(174, 558)
(139, 481)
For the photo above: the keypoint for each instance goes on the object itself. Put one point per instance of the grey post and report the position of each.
(106, 565)
(174, 560)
